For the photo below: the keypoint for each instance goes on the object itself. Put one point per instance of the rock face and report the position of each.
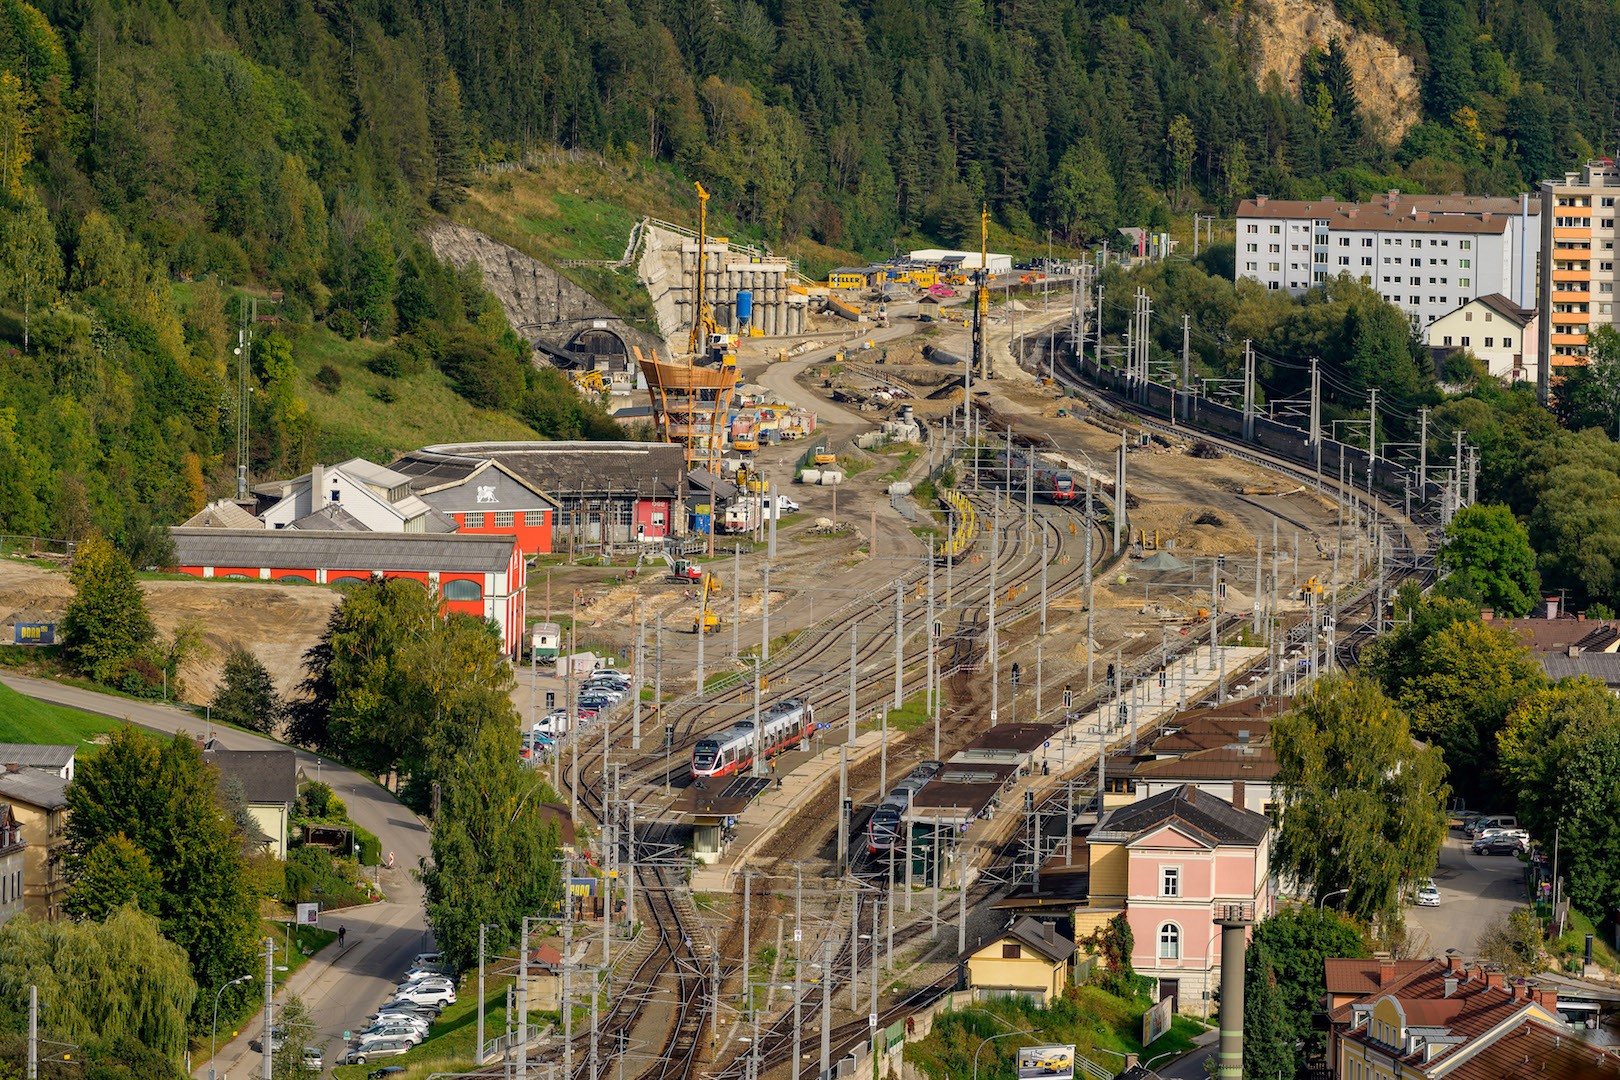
(540, 304)
(1280, 32)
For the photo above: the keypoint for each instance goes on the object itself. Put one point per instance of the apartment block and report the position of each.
(1577, 241)
(1425, 254)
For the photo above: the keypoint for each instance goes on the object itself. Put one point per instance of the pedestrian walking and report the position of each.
(343, 932)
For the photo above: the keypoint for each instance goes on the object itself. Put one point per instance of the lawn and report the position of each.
(1093, 1021)
(24, 720)
(356, 422)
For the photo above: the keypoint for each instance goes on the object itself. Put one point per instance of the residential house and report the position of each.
(269, 781)
(1425, 254)
(1445, 1019)
(39, 809)
(1348, 979)
(13, 860)
(1493, 328)
(53, 759)
(354, 496)
(1174, 862)
(1029, 960)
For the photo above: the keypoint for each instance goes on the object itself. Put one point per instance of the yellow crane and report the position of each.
(706, 621)
(703, 324)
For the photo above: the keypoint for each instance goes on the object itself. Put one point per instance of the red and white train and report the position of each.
(784, 725)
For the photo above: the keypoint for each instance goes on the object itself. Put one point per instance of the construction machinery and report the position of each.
(685, 570)
(706, 621)
(589, 379)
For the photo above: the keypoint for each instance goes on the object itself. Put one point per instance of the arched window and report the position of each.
(1169, 942)
(463, 590)
(293, 579)
(346, 582)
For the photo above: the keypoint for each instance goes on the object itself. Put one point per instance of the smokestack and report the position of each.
(317, 488)
(1234, 922)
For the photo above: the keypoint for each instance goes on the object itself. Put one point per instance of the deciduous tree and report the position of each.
(106, 624)
(1487, 557)
(1361, 800)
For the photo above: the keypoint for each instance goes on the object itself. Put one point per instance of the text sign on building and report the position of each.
(36, 633)
(1156, 1021)
(1046, 1062)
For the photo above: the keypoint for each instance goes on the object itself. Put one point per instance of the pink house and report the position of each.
(1171, 862)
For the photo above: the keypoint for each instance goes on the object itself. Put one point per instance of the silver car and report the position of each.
(380, 1049)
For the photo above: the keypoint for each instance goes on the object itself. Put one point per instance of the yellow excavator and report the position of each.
(707, 621)
(589, 379)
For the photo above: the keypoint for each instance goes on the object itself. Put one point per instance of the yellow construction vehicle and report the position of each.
(826, 457)
(588, 379)
(706, 621)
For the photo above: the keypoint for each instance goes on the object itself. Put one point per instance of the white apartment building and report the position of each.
(1425, 254)
(1577, 242)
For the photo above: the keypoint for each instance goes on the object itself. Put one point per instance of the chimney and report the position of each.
(1237, 794)
(1451, 982)
(1260, 200)
(13, 767)
(1574, 651)
(1546, 997)
(1487, 614)
(1421, 215)
(1189, 793)
(1386, 970)
(1454, 965)
(1243, 736)
(1495, 980)
(317, 488)
(1552, 607)
(1394, 196)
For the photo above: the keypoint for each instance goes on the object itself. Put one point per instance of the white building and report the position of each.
(964, 260)
(1493, 328)
(1426, 254)
(356, 496)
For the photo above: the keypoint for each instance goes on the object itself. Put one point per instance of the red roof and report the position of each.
(1360, 976)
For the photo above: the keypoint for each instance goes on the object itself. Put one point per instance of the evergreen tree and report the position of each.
(1268, 1049)
(246, 696)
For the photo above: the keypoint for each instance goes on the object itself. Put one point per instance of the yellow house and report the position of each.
(39, 808)
(267, 783)
(1029, 960)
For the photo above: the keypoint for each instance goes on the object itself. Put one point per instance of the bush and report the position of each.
(343, 323)
(329, 379)
(313, 874)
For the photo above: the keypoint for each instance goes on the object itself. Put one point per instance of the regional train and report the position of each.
(784, 725)
(1053, 485)
(883, 830)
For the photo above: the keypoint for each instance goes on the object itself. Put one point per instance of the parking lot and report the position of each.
(1476, 891)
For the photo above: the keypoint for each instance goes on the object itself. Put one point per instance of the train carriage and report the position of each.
(884, 829)
(785, 725)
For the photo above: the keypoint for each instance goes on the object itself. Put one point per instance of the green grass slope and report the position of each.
(24, 720)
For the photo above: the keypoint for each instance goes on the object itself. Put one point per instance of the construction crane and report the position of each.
(981, 301)
(703, 324)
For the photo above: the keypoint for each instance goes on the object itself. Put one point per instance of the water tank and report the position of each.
(831, 476)
(745, 307)
(810, 476)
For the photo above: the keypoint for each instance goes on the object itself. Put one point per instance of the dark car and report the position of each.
(1497, 845)
(385, 1072)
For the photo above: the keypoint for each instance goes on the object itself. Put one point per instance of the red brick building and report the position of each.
(482, 576)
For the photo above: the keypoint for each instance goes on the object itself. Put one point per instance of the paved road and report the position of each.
(1476, 891)
(341, 989)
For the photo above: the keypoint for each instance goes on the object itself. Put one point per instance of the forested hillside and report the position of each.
(289, 145)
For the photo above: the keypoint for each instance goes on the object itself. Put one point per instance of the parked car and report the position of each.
(382, 1048)
(314, 1059)
(1497, 845)
(390, 1031)
(421, 1020)
(385, 1072)
(1428, 895)
(425, 959)
(278, 1039)
(424, 975)
(426, 995)
(1490, 821)
(418, 1009)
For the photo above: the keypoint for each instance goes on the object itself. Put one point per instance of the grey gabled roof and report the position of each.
(310, 550)
(34, 787)
(1602, 666)
(1033, 932)
(566, 470)
(42, 756)
(1209, 814)
(329, 518)
(266, 776)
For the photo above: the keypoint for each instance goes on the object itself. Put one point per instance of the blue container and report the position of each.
(700, 524)
(745, 307)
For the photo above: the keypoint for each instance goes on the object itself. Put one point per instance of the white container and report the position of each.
(832, 476)
(900, 487)
(810, 476)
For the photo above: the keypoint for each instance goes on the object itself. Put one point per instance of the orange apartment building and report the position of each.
(1577, 243)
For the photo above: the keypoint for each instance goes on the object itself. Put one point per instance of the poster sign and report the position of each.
(36, 633)
(309, 914)
(1046, 1062)
(1156, 1021)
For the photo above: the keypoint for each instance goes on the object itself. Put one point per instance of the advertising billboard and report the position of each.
(1156, 1021)
(1046, 1062)
(35, 633)
(309, 914)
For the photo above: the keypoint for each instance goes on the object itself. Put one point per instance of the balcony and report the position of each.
(1582, 277)
(1569, 339)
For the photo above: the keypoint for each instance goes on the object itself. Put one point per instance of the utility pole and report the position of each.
(1186, 363)
(1119, 498)
(640, 683)
(478, 1054)
(1248, 390)
(702, 623)
(843, 809)
(269, 1004)
(765, 616)
(1316, 413)
(523, 989)
(853, 630)
(759, 729)
(567, 973)
(1091, 609)
(899, 642)
(1423, 454)
(33, 1034)
(995, 659)
(798, 962)
(933, 655)
(826, 1006)
(736, 602)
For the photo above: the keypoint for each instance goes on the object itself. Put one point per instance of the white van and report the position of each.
(1496, 821)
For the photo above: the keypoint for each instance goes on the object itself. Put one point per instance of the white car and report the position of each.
(1428, 894)
(418, 974)
(426, 995)
(419, 1023)
(389, 1031)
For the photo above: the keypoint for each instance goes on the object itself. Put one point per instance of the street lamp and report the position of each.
(213, 1039)
(1328, 896)
(989, 1039)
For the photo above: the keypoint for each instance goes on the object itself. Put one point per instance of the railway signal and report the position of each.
(1162, 678)
(1015, 674)
(1068, 697)
(1110, 676)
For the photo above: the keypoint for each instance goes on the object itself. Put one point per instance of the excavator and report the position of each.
(707, 621)
(589, 379)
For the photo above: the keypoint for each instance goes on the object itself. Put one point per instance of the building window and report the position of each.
(1366, 241)
(1465, 244)
(474, 521)
(1253, 266)
(1366, 260)
(1446, 340)
(1462, 282)
(1252, 228)
(463, 590)
(1169, 942)
(1344, 241)
(337, 496)
(1252, 248)
(1490, 343)
(1465, 263)
(1507, 343)
(1415, 300)
(1344, 260)
(1170, 881)
(1465, 341)
(503, 519)
(1276, 230)
(1468, 316)
(1010, 950)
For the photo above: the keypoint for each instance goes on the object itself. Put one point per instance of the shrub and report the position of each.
(329, 379)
